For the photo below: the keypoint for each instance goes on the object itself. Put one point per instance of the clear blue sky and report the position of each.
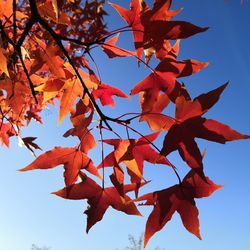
(30, 214)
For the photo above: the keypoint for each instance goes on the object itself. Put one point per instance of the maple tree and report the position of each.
(46, 58)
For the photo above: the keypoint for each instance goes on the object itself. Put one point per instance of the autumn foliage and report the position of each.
(46, 59)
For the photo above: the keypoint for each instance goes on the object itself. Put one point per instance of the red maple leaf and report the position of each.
(72, 159)
(190, 125)
(133, 153)
(164, 77)
(178, 198)
(105, 93)
(151, 27)
(80, 129)
(99, 199)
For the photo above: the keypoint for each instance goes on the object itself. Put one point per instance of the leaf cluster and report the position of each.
(46, 57)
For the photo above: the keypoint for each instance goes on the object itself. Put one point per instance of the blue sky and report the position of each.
(30, 214)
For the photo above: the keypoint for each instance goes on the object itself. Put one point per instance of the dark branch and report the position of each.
(14, 21)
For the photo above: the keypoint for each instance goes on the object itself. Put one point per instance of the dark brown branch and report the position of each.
(104, 119)
(16, 46)
(65, 52)
(99, 41)
(14, 21)
(35, 17)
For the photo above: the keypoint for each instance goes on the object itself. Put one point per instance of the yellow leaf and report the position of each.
(25, 53)
(133, 167)
(50, 89)
(72, 89)
(55, 7)
(53, 61)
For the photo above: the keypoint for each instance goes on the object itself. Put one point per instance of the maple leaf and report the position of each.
(161, 11)
(152, 111)
(167, 50)
(152, 27)
(30, 144)
(164, 77)
(18, 94)
(132, 17)
(90, 79)
(32, 114)
(190, 125)
(158, 31)
(141, 151)
(72, 89)
(133, 153)
(99, 199)
(72, 159)
(50, 89)
(54, 62)
(80, 122)
(112, 50)
(105, 93)
(113, 159)
(51, 9)
(158, 101)
(178, 198)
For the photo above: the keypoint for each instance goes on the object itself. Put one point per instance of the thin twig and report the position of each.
(127, 131)
(121, 31)
(93, 60)
(89, 44)
(113, 132)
